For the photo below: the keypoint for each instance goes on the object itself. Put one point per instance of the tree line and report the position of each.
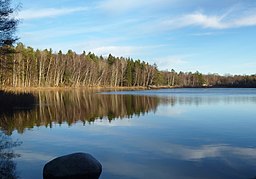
(22, 66)
(40, 68)
(197, 79)
(34, 68)
(43, 68)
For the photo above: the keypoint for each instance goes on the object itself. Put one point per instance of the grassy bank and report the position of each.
(101, 88)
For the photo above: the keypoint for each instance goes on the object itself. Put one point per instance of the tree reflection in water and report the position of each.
(7, 165)
(11, 104)
(72, 106)
(58, 107)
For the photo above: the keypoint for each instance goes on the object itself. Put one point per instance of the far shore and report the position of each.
(31, 89)
(99, 88)
(67, 88)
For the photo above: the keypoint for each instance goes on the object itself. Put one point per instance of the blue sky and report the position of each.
(217, 36)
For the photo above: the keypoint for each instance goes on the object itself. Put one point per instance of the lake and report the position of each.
(168, 133)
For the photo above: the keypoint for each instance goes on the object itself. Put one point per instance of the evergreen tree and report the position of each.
(8, 24)
(128, 73)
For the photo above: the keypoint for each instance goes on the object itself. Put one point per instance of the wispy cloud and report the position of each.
(203, 20)
(207, 151)
(48, 12)
(117, 6)
(245, 21)
(204, 34)
(115, 50)
(172, 61)
(246, 67)
(223, 21)
(125, 51)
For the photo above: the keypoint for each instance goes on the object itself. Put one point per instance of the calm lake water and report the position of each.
(170, 133)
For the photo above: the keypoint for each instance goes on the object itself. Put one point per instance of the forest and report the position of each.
(27, 67)
(22, 66)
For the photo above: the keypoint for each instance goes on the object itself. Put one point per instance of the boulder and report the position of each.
(77, 165)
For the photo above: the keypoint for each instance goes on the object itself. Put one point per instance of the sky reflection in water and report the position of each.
(181, 133)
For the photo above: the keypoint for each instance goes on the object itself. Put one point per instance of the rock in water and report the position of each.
(77, 165)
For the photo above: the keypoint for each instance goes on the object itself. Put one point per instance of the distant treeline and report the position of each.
(35, 68)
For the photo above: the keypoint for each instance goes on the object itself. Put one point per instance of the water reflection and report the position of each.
(72, 106)
(191, 135)
(187, 96)
(7, 165)
(14, 102)
(210, 100)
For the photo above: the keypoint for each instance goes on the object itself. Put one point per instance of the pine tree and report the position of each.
(128, 73)
(8, 24)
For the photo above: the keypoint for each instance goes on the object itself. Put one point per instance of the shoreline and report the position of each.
(89, 88)
(100, 88)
